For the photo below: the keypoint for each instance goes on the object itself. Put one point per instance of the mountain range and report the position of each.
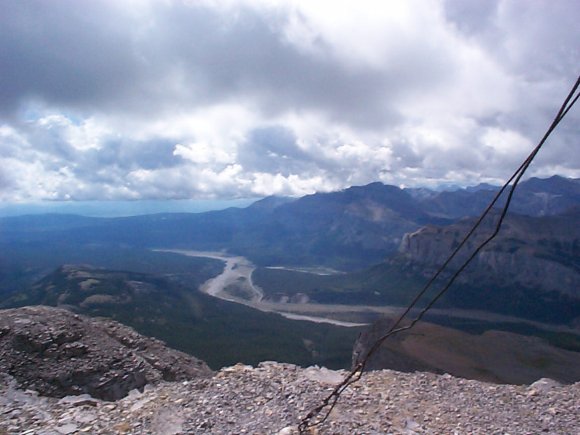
(349, 229)
(384, 240)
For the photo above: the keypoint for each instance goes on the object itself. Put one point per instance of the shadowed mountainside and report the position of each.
(494, 356)
(351, 229)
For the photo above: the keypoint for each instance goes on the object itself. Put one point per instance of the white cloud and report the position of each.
(202, 153)
(87, 134)
(371, 34)
(506, 142)
(209, 99)
(265, 184)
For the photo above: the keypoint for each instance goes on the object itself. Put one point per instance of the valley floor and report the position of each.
(235, 284)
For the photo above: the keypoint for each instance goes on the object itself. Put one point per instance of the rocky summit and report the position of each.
(61, 373)
(59, 353)
(271, 399)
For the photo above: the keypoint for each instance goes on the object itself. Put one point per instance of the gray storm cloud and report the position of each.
(139, 99)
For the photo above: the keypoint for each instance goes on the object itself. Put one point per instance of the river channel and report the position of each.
(235, 284)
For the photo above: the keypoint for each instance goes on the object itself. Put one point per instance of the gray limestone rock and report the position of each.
(59, 353)
(272, 398)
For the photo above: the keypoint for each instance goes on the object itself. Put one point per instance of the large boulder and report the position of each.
(59, 353)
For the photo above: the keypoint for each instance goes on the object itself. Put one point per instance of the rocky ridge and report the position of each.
(540, 252)
(58, 353)
(93, 361)
(272, 397)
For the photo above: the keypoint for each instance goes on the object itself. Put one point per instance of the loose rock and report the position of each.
(271, 398)
(58, 353)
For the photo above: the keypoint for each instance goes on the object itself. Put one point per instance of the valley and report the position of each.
(289, 217)
(235, 284)
(235, 279)
(298, 279)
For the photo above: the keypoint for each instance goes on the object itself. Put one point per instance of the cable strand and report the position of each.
(357, 371)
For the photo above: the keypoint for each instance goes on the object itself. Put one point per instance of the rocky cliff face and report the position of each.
(541, 252)
(58, 353)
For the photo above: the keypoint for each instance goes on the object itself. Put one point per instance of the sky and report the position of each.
(225, 100)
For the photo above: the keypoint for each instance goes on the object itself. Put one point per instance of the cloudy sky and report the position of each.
(167, 99)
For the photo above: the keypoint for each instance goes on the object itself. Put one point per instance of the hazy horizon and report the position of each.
(120, 208)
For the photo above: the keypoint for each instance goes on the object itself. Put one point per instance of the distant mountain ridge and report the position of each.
(533, 197)
(349, 229)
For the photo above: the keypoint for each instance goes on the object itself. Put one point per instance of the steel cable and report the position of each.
(357, 371)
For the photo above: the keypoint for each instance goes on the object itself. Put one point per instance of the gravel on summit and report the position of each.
(271, 398)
